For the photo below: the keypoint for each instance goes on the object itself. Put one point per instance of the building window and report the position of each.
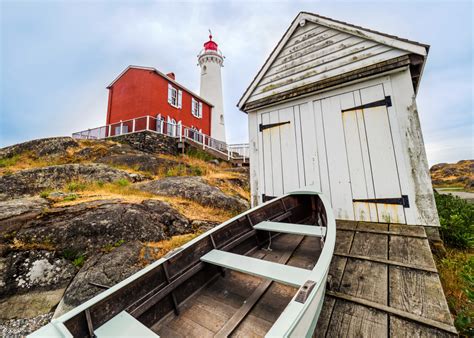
(175, 96)
(121, 130)
(196, 108)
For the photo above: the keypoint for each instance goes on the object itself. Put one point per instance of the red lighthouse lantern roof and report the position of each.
(210, 45)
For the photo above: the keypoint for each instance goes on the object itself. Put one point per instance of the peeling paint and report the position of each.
(424, 198)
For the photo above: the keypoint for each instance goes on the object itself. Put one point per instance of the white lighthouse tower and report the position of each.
(211, 61)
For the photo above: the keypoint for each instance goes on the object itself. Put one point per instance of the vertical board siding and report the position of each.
(316, 52)
(289, 150)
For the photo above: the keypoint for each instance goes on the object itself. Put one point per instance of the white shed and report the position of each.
(333, 107)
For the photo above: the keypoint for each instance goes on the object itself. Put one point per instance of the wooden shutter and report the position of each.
(170, 93)
(180, 98)
(200, 110)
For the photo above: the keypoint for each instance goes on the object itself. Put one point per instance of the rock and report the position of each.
(140, 161)
(23, 327)
(196, 189)
(32, 181)
(42, 147)
(26, 271)
(32, 282)
(21, 206)
(199, 225)
(214, 161)
(107, 269)
(91, 226)
(150, 142)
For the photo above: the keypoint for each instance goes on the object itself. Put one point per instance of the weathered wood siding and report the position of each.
(348, 155)
(316, 52)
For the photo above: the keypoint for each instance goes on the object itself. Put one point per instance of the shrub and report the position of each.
(45, 193)
(456, 217)
(75, 186)
(9, 161)
(69, 198)
(79, 261)
(199, 154)
(122, 182)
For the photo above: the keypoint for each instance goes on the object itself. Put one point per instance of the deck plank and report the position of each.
(370, 245)
(411, 251)
(418, 293)
(353, 320)
(404, 328)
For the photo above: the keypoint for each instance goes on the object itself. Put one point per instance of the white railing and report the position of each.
(160, 126)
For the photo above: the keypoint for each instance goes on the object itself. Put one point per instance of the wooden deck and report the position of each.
(383, 282)
(241, 305)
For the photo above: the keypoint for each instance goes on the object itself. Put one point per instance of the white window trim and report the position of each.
(175, 95)
(196, 108)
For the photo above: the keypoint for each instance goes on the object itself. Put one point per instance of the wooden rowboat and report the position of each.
(260, 273)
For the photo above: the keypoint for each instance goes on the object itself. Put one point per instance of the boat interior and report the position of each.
(234, 280)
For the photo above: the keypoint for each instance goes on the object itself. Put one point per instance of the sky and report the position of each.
(57, 58)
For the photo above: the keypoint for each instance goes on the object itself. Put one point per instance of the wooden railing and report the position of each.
(176, 130)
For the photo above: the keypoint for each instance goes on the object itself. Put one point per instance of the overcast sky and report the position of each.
(57, 57)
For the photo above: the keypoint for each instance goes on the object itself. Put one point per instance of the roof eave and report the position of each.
(163, 76)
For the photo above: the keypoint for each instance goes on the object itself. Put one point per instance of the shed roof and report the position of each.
(407, 46)
(163, 75)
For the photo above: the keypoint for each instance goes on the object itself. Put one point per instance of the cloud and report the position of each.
(58, 57)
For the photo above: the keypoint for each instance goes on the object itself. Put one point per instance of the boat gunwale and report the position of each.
(294, 311)
(59, 323)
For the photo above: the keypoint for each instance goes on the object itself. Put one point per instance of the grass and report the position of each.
(456, 268)
(79, 261)
(100, 191)
(111, 246)
(9, 161)
(152, 251)
(456, 271)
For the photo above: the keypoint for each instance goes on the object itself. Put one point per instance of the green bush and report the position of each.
(9, 161)
(199, 154)
(75, 186)
(122, 182)
(79, 261)
(456, 217)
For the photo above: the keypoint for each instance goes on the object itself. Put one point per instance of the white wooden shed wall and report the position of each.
(360, 154)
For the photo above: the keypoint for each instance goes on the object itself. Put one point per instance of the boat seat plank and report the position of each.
(124, 325)
(285, 274)
(290, 228)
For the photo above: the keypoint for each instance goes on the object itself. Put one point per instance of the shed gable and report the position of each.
(315, 49)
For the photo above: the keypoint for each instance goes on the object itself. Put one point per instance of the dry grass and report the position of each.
(22, 246)
(222, 180)
(153, 251)
(190, 209)
(453, 270)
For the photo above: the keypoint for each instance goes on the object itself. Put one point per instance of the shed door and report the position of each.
(371, 158)
(280, 159)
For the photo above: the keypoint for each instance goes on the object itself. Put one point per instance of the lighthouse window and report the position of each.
(174, 96)
(196, 108)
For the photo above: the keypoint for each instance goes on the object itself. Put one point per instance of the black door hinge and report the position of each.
(400, 201)
(262, 127)
(387, 101)
(267, 198)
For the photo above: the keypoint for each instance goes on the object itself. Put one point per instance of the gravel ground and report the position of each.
(22, 327)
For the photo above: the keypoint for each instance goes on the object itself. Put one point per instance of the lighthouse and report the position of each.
(211, 61)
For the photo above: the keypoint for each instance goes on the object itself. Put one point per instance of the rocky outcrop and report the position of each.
(141, 162)
(453, 174)
(17, 207)
(196, 189)
(42, 147)
(33, 181)
(106, 270)
(150, 142)
(90, 226)
(32, 282)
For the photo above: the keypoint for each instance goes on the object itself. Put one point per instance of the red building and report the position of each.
(144, 91)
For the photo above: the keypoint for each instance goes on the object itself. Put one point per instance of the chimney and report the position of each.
(171, 76)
